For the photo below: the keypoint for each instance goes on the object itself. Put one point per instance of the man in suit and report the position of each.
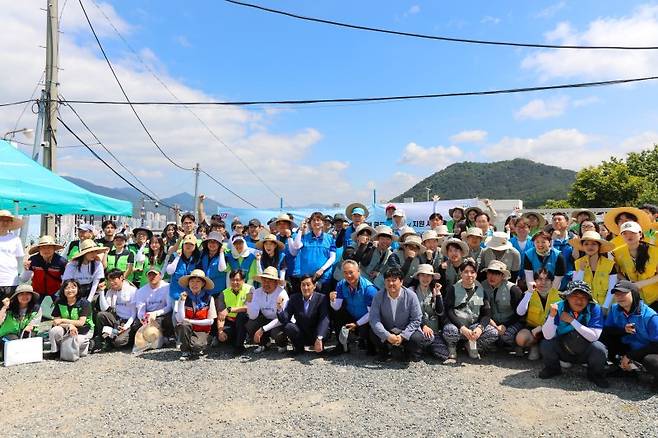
(395, 319)
(311, 313)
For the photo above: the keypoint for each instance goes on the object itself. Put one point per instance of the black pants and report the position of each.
(412, 347)
(300, 336)
(7, 291)
(647, 356)
(341, 317)
(594, 356)
(164, 323)
(109, 319)
(276, 333)
(236, 330)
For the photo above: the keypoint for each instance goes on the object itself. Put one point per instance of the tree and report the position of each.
(556, 204)
(609, 184)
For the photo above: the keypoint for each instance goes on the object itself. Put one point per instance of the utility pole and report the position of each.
(196, 191)
(50, 122)
(428, 193)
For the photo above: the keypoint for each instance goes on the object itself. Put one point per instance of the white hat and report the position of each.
(429, 235)
(442, 230)
(425, 268)
(499, 241)
(630, 226)
(498, 266)
(383, 230)
(454, 241)
(404, 231)
(398, 213)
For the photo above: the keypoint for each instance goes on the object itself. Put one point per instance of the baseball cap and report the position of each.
(625, 286)
(630, 226)
(86, 227)
(254, 223)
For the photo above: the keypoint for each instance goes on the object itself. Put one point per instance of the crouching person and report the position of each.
(395, 319)
(71, 318)
(20, 315)
(118, 312)
(231, 305)
(262, 306)
(504, 297)
(195, 314)
(154, 305)
(571, 334)
(310, 312)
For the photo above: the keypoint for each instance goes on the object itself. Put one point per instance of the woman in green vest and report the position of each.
(71, 317)
(20, 315)
(154, 257)
(594, 268)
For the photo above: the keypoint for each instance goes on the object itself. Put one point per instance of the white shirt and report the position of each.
(122, 300)
(150, 300)
(394, 303)
(11, 250)
(265, 303)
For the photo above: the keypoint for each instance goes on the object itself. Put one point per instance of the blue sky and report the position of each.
(338, 153)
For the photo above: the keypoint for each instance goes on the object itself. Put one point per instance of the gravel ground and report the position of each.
(117, 394)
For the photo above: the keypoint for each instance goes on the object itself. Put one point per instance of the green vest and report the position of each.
(233, 300)
(120, 262)
(471, 309)
(74, 249)
(501, 306)
(13, 326)
(74, 315)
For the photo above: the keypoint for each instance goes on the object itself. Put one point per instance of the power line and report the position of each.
(107, 165)
(435, 37)
(109, 64)
(110, 152)
(164, 85)
(378, 98)
(20, 102)
(231, 191)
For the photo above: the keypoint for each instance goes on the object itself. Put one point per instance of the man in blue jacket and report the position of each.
(631, 333)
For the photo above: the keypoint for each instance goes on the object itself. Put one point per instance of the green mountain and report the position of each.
(531, 182)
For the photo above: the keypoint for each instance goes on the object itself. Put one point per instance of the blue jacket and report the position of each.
(515, 243)
(356, 302)
(550, 264)
(183, 268)
(645, 320)
(211, 268)
(590, 317)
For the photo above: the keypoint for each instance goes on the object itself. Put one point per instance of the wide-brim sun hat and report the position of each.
(604, 245)
(15, 223)
(270, 273)
(425, 268)
(415, 241)
(364, 227)
(642, 218)
(349, 211)
(454, 241)
(405, 232)
(430, 235)
(383, 230)
(540, 218)
(498, 266)
(590, 214)
(45, 241)
(24, 288)
(88, 246)
(475, 232)
(442, 230)
(284, 217)
(469, 209)
(270, 238)
(499, 242)
(452, 210)
(197, 273)
(148, 232)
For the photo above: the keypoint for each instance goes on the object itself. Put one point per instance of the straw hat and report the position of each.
(425, 268)
(429, 235)
(146, 336)
(414, 240)
(499, 241)
(540, 218)
(642, 218)
(270, 273)
(454, 241)
(45, 241)
(349, 211)
(270, 238)
(383, 230)
(284, 217)
(24, 288)
(197, 273)
(604, 245)
(498, 266)
(15, 223)
(590, 214)
(364, 227)
(189, 238)
(87, 246)
(442, 230)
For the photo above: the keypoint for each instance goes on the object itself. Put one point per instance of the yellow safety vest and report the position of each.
(626, 265)
(536, 311)
(233, 300)
(598, 280)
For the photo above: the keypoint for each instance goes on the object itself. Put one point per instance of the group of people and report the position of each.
(569, 290)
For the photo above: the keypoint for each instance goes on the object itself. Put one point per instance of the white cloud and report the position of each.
(182, 41)
(644, 140)
(474, 136)
(413, 10)
(436, 157)
(640, 28)
(543, 109)
(281, 158)
(586, 101)
(490, 20)
(551, 10)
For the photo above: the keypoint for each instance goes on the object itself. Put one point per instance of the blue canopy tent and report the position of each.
(26, 187)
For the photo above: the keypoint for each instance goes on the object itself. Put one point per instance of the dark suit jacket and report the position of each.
(315, 321)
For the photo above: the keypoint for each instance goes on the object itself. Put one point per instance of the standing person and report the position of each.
(262, 307)
(435, 220)
(499, 248)
(594, 268)
(185, 262)
(240, 257)
(579, 216)
(358, 213)
(232, 316)
(272, 254)
(153, 259)
(428, 292)
(20, 315)
(521, 242)
(109, 230)
(399, 220)
(351, 302)
(561, 237)
(571, 334)
(85, 231)
(153, 303)
(389, 211)
(542, 255)
(638, 262)
(253, 233)
(316, 252)
(536, 222)
(340, 225)
(86, 268)
(474, 238)
(11, 253)
(45, 267)
(374, 264)
(483, 222)
(456, 215)
(285, 235)
(408, 258)
(211, 248)
(395, 320)
(631, 333)
(504, 297)
(455, 252)
(535, 306)
(468, 314)
(140, 247)
(118, 312)
(327, 223)
(72, 316)
(305, 318)
(616, 217)
(195, 314)
(120, 257)
(170, 235)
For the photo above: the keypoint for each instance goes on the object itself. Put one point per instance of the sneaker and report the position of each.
(473, 353)
(565, 365)
(547, 373)
(202, 353)
(452, 352)
(343, 337)
(95, 345)
(599, 380)
(259, 349)
(534, 353)
(185, 356)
